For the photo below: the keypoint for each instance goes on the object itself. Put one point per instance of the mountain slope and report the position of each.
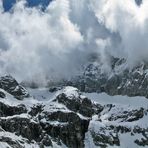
(69, 118)
(119, 80)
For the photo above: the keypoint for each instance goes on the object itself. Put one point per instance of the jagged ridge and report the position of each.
(67, 117)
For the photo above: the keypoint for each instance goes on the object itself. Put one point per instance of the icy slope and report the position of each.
(122, 123)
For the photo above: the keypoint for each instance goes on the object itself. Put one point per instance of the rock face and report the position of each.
(65, 119)
(78, 103)
(120, 80)
(116, 124)
(10, 85)
(6, 110)
(68, 119)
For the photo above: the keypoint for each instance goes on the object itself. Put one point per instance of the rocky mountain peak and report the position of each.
(68, 117)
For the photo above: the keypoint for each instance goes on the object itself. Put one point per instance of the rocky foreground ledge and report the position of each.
(67, 118)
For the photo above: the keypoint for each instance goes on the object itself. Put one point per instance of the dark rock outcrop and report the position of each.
(22, 126)
(78, 104)
(103, 140)
(6, 110)
(128, 116)
(10, 85)
(68, 127)
(2, 95)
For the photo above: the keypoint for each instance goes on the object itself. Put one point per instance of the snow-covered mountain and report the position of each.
(66, 117)
(80, 73)
(119, 80)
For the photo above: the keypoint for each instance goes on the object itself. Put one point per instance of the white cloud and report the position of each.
(55, 43)
(38, 43)
(130, 22)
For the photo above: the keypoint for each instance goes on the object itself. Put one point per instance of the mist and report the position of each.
(57, 42)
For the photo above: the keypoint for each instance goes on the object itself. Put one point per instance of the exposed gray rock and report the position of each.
(6, 110)
(2, 95)
(36, 109)
(53, 89)
(10, 85)
(68, 118)
(128, 116)
(22, 126)
(70, 128)
(103, 140)
(120, 80)
(79, 104)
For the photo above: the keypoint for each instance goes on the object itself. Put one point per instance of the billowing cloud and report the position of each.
(130, 21)
(36, 43)
(57, 42)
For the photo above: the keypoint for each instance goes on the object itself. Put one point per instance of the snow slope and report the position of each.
(116, 121)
